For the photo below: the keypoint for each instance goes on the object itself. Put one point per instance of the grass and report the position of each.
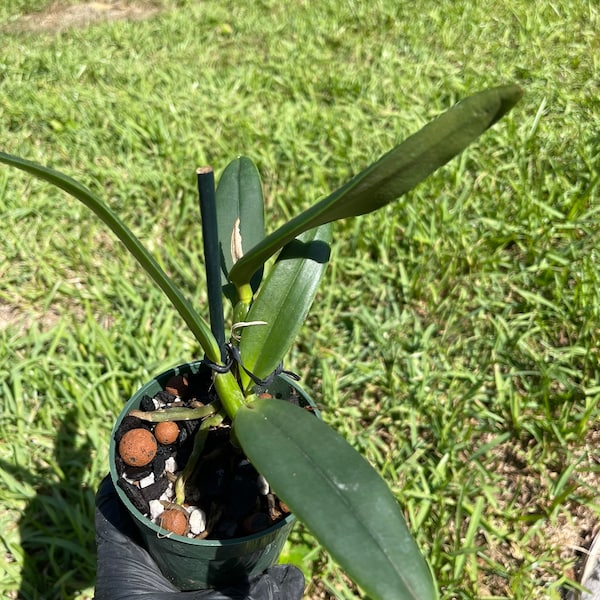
(456, 339)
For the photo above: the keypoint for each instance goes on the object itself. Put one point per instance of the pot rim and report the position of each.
(145, 521)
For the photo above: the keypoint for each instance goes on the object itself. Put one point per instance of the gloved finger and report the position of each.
(282, 582)
(126, 570)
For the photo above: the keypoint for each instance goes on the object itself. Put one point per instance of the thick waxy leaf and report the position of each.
(240, 213)
(394, 174)
(331, 488)
(197, 325)
(284, 300)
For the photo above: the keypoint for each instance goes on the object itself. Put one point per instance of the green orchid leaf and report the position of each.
(347, 506)
(197, 325)
(240, 216)
(394, 174)
(284, 300)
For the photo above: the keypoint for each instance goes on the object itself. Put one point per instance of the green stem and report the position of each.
(199, 443)
(229, 392)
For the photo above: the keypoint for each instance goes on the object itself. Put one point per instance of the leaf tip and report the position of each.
(508, 96)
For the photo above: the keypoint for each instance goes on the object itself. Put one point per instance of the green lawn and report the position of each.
(456, 340)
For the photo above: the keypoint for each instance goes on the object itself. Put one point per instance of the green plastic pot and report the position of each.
(192, 564)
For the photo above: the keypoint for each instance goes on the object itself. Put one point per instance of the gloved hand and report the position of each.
(126, 571)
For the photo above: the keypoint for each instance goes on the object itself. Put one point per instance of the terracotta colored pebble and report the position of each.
(137, 447)
(174, 520)
(166, 433)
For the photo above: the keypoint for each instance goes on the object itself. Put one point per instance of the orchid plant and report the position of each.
(326, 483)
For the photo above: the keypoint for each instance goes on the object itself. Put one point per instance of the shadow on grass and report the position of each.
(57, 526)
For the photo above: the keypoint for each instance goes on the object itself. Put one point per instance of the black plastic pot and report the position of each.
(192, 564)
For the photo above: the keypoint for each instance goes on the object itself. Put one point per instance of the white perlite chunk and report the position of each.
(156, 509)
(197, 521)
(170, 465)
(168, 494)
(146, 481)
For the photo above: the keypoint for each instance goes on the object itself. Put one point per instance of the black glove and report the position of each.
(126, 571)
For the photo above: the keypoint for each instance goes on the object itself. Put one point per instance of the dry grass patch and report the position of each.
(60, 16)
(538, 532)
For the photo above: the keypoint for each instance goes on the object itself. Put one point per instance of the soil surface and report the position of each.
(223, 496)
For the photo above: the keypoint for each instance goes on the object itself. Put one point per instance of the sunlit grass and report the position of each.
(456, 340)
